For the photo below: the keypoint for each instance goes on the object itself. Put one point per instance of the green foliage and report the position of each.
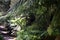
(42, 25)
(25, 35)
(35, 30)
(46, 22)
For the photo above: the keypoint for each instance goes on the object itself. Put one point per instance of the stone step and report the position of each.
(4, 32)
(3, 29)
(7, 32)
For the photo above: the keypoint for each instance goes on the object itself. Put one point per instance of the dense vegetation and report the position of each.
(38, 19)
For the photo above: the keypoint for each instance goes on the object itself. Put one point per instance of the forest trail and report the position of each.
(6, 36)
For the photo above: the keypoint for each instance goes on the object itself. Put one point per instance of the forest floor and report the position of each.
(5, 35)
